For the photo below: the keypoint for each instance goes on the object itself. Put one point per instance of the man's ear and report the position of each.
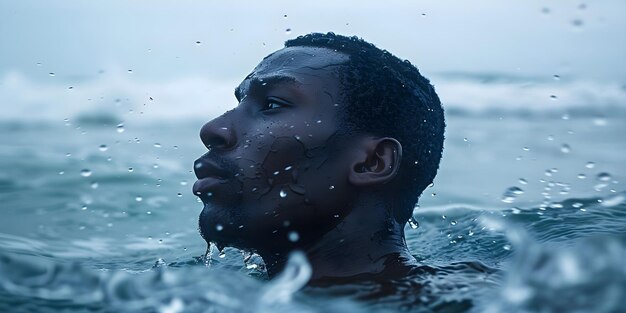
(377, 161)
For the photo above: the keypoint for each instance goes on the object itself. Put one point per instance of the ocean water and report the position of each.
(527, 214)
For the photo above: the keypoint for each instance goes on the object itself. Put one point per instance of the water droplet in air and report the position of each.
(51, 74)
(288, 31)
(285, 16)
(511, 194)
(157, 145)
(577, 22)
(85, 173)
(138, 198)
(599, 121)
(413, 223)
(130, 71)
(222, 254)
(523, 181)
(103, 148)
(94, 185)
(198, 43)
(506, 247)
(526, 149)
(130, 170)
(553, 97)
(556, 77)
(84, 208)
(604, 176)
(120, 128)
(293, 236)
(283, 193)
(581, 176)
(565, 148)
(453, 223)
(590, 165)
(179, 194)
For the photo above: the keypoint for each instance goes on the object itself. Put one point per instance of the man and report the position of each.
(327, 152)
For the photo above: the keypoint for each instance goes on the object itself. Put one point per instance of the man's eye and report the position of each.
(272, 104)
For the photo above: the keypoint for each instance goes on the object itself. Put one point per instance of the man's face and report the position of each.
(274, 176)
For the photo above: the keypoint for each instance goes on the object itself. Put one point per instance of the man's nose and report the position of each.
(218, 134)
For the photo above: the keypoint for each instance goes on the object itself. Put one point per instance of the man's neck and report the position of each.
(360, 245)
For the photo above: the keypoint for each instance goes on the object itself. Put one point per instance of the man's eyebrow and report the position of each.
(258, 82)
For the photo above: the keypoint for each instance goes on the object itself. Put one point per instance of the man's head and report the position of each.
(320, 124)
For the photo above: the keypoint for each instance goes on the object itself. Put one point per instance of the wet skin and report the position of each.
(278, 176)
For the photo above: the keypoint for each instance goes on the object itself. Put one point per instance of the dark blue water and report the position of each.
(528, 214)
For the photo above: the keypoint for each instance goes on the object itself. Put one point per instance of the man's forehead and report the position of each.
(292, 59)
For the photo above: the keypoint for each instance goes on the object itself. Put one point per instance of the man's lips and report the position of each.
(209, 174)
(203, 185)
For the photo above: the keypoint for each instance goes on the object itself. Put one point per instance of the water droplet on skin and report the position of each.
(590, 165)
(120, 128)
(276, 173)
(85, 173)
(138, 199)
(565, 148)
(293, 236)
(604, 177)
(103, 148)
(523, 181)
(219, 227)
(283, 193)
(413, 223)
(130, 170)
(331, 187)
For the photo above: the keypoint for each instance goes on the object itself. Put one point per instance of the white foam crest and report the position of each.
(127, 98)
(116, 95)
(531, 97)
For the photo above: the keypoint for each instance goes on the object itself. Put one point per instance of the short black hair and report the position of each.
(387, 96)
